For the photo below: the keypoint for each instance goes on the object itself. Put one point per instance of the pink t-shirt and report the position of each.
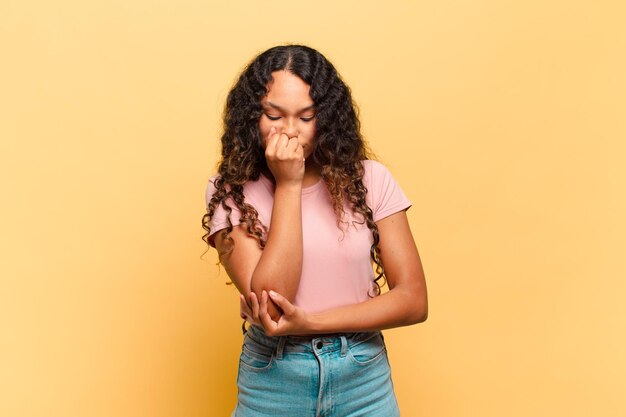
(336, 268)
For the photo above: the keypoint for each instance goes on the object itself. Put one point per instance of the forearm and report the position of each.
(396, 308)
(280, 265)
(404, 304)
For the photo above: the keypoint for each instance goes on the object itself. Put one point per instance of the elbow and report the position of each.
(257, 304)
(422, 315)
(414, 299)
(420, 306)
(417, 315)
(418, 311)
(258, 284)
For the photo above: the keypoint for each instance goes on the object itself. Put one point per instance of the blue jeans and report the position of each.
(342, 375)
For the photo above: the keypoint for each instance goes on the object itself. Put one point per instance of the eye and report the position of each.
(307, 119)
(272, 117)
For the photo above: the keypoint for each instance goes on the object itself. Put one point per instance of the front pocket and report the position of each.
(368, 351)
(256, 357)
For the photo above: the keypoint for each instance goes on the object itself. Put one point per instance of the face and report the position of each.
(288, 107)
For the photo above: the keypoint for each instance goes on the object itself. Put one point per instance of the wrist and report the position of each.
(313, 324)
(289, 185)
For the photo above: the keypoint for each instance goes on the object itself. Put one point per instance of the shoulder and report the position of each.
(384, 194)
(371, 165)
(258, 190)
(375, 172)
(211, 183)
(211, 187)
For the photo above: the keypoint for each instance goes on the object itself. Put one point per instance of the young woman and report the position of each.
(299, 215)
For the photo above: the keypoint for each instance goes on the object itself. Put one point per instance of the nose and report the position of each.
(289, 128)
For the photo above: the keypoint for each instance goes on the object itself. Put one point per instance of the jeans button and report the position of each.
(320, 344)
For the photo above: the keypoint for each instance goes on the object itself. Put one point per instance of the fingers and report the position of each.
(268, 324)
(286, 145)
(244, 309)
(272, 140)
(282, 302)
(263, 313)
(278, 141)
(249, 311)
(299, 152)
(255, 306)
(292, 321)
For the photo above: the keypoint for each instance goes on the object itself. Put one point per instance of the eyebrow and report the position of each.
(277, 107)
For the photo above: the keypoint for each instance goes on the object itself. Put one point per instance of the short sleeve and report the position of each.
(384, 195)
(219, 220)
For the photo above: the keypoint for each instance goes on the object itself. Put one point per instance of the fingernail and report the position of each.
(273, 294)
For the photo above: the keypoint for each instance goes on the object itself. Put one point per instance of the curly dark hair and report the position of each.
(339, 151)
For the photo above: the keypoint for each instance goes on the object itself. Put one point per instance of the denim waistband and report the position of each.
(312, 344)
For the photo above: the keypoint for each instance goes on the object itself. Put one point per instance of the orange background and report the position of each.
(503, 122)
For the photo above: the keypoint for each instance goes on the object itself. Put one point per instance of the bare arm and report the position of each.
(404, 304)
(279, 265)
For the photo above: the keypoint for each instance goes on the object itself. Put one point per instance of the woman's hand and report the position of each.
(285, 157)
(248, 313)
(293, 321)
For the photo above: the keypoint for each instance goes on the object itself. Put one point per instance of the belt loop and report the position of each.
(344, 345)
(280, 347)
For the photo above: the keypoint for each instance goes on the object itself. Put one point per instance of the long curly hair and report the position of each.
(339, 151)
